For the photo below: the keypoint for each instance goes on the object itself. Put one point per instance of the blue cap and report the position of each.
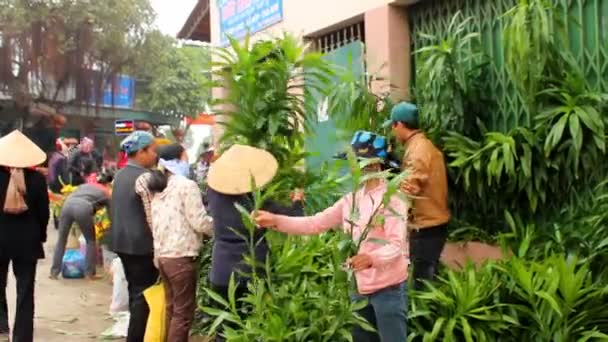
(369, 145)
(136, 141)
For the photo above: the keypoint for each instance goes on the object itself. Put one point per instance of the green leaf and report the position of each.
(555, 134)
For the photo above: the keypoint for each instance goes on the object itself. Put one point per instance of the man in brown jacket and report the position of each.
(427, 184)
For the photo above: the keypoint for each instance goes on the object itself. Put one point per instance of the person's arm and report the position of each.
(417, 163)
(196, 214)
(141, 188)
(395, 227)
(311, 225)
(43, 211)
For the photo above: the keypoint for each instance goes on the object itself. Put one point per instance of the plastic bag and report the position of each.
(83, 245)
(120, 293)
(156, 330)
(73, 264)
(119, 328)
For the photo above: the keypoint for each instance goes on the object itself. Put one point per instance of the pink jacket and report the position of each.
(390, 259)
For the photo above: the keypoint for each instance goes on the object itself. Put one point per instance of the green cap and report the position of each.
(404, 112)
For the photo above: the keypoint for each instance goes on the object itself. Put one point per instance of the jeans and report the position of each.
(426, 246)
(387, 312)
(141, 274)
(25, 273)
(82, 213)
(240, 292)
(179, 278)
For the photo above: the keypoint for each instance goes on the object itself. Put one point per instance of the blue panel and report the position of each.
(124, 93)
(326, 139)
(239, 16)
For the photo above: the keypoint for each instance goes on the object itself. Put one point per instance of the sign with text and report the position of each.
(239, 16)
(124, 127)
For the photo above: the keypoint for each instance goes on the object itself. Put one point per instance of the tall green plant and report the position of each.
(448, 79)
(302, 292)
(572, 121)
(529, 41)
(265, 80)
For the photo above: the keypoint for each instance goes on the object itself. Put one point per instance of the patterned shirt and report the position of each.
(179, 219)
(141, 188)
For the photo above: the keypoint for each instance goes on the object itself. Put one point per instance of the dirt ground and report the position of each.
(67, 310)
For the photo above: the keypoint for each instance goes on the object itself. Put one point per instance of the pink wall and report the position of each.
(388, 49)
(302, 17)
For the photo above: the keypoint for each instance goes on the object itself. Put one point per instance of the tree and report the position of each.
(178, 84)
(48, 47)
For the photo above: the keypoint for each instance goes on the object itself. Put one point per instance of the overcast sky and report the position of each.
(172, 14)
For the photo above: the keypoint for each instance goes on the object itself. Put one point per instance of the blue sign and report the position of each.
(237, 17)
(124, 93)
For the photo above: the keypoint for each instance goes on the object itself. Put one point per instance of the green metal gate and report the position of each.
(324, 141)
(587, 24)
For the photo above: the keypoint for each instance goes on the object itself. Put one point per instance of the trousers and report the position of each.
(141, 274)
(387, 312)
(25, 274)
(426, 245)
(179, 278)
(82, 213)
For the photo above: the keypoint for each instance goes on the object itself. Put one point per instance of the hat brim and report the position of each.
(241, 170)
(387, 123)
(29, 154)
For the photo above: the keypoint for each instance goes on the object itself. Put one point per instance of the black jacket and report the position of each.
(130, 233)
(22, 236)
(228, 244)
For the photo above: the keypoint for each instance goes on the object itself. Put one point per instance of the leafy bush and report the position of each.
(554, 299)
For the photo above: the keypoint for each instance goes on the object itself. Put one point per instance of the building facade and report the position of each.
(373, 35)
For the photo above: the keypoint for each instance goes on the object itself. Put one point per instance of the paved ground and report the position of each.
(67, 310)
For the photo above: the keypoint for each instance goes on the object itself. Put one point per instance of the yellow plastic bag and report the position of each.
(156, 329)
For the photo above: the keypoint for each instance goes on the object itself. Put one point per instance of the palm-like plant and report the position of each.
(529, 42)
(572, 120)
(556, 299)
(266, 81)
(462, 306)
(447, 76)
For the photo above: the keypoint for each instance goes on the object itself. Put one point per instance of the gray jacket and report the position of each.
(130, 232)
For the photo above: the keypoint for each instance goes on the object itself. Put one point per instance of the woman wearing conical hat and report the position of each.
(24, 216)
(230, 183)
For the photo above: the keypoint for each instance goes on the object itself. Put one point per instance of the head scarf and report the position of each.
(138, 140)
(14, 203)
(87, 145)
(175, 166)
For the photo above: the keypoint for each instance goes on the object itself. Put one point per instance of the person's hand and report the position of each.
(265, 219)
(156, 263)
(43, 170)
(298, 195)
(409, 188)
(361, 262)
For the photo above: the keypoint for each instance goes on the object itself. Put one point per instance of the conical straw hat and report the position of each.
(17, 150)
(232, 172)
